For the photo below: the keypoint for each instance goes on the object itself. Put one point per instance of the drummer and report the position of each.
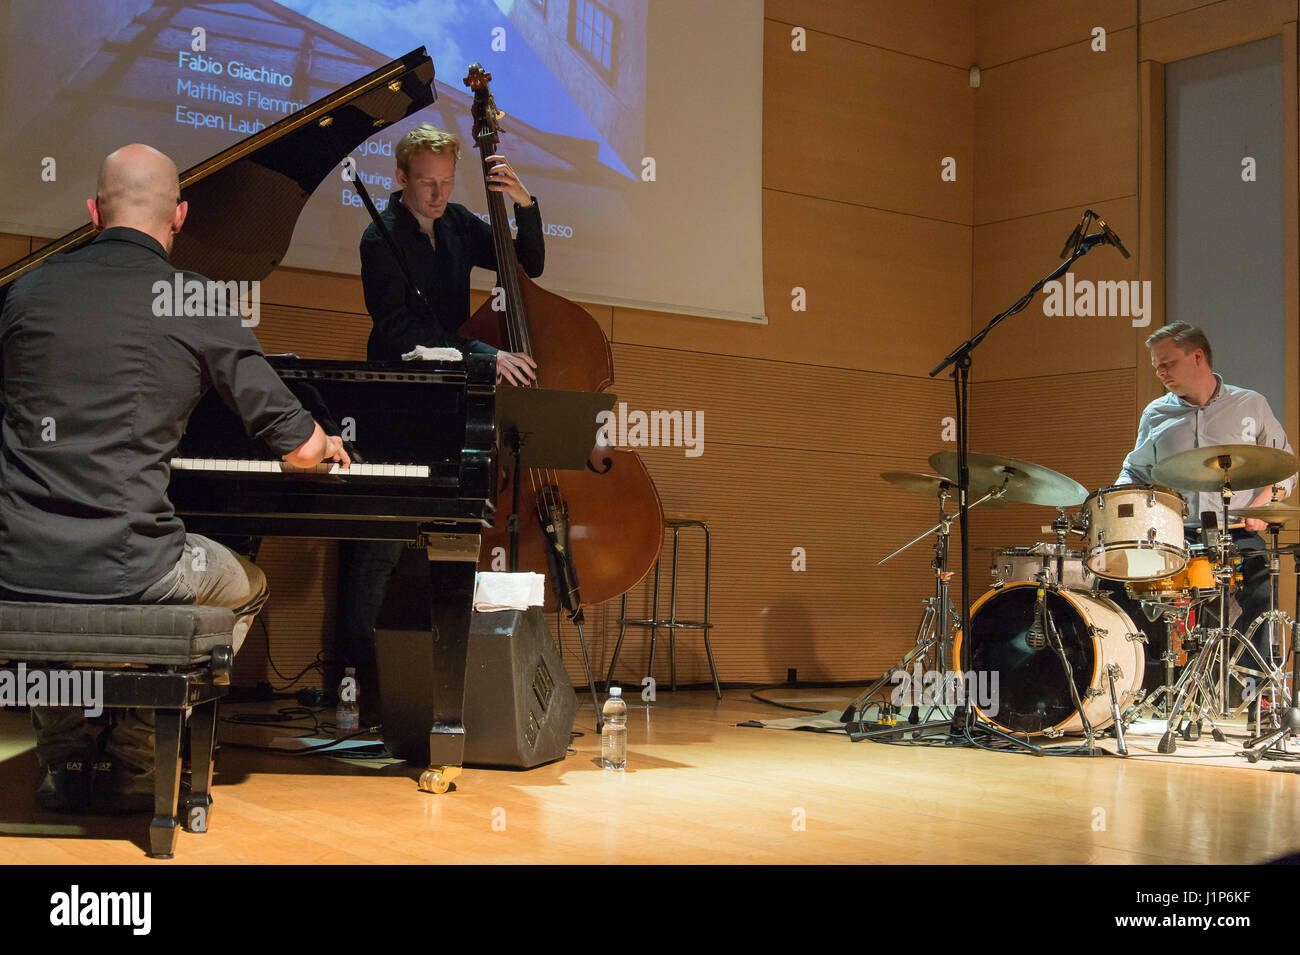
(1200, 409)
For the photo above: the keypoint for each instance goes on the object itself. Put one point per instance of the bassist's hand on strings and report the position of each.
(516, 368)
(501, 178)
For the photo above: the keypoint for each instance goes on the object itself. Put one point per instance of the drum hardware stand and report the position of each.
(1112, 671)
(933, 637)
(1274, 617)
(1289, 723)
(1078, 244)
(1058, 647)
(1175, 617)
(1196, 692)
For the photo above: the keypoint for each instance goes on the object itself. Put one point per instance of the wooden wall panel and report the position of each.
(842, 618)
(840, 122)
(884, 292)
(1081, 424)
(13, 248)
(938, 30)
(1010, 257)
(1057, 130)
(792, 456)
(323, 291)
(297, 623)
(1010, 29)
(1176, 29)
(1151, 216)
(311, 333)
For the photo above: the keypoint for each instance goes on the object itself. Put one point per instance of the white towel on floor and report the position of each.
(495, 591)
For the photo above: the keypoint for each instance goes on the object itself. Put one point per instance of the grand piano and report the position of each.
(422, 434)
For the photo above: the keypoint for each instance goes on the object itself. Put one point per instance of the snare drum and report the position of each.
(1135, 532)
(1026, 563)
(1030, 692)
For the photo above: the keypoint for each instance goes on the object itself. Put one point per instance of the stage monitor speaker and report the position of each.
(519, 703)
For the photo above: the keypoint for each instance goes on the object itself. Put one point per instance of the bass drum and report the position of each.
(1029, 692)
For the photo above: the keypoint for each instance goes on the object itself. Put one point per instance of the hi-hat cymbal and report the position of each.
(1249, 466)
(1275, 512)
(1025, 482)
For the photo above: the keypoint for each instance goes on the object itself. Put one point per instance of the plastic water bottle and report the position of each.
(347, 718)
(613, 737)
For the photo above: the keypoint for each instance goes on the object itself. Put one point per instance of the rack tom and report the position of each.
(1135, 532)
(1012, 564)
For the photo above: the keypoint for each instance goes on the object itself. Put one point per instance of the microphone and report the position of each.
(1111, 237)
(1072, 242)
(1035, 639)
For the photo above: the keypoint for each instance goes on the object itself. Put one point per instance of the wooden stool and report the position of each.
(180, 659)
(672, 624)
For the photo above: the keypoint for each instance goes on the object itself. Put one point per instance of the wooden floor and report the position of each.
(698, 789)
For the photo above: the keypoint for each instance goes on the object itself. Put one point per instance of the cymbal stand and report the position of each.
(1289, 724)
(1274, 684)
(1197, 693)
(934, 636)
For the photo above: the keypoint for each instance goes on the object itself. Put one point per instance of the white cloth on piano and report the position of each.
(497, 591)
(425, 353)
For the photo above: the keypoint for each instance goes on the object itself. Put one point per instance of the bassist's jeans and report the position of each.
(365, 568)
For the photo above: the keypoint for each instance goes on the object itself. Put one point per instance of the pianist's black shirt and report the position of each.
(462, 241)
(97, 390)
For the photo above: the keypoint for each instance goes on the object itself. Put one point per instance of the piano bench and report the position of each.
(172, 659)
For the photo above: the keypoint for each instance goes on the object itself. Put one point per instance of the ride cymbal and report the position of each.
(1246, 466)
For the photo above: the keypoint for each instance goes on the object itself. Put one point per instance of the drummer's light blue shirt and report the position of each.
(1170, 425)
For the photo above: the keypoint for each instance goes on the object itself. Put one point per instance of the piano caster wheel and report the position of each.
(437, 779)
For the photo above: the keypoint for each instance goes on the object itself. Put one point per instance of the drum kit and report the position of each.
(1065, 654)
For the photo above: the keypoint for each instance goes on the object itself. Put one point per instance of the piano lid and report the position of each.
(245, 201)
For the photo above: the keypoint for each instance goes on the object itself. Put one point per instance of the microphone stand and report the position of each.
(1079, 244)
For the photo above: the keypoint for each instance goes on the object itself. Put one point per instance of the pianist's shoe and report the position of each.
(119, 788)
(66, 786)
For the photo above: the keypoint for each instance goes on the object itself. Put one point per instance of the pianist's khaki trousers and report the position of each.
(207, 574)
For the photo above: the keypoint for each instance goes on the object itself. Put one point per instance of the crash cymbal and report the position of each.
(1249, 466)
(1025, 482)
(1275, 512)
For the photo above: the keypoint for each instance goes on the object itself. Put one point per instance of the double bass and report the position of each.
(597, 531)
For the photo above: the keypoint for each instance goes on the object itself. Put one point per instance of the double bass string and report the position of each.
(545, 495)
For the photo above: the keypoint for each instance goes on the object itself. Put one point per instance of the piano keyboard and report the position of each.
(239, 466)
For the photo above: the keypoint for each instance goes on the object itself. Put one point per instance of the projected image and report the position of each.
(193, 78)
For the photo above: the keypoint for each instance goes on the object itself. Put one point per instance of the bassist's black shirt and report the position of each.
(461, 241)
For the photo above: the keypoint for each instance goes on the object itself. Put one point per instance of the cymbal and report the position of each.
(1026, 482)
(928, 484)
(1252, 466)
(1275, 512)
